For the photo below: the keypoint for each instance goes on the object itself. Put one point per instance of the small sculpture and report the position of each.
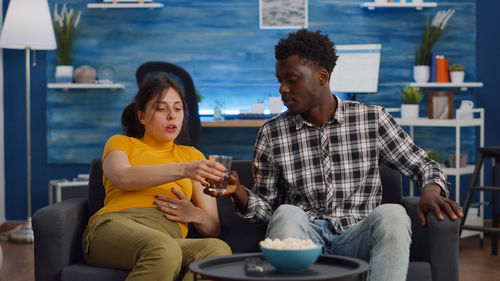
(85, 74)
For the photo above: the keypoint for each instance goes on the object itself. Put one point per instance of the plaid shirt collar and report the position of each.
(338, 116)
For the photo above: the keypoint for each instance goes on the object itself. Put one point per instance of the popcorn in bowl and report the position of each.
(290, 254)
(287, 244)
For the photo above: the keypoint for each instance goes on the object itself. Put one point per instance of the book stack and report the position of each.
(439, 69)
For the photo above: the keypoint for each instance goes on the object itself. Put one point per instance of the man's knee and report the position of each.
(392, 220)
(288, 221)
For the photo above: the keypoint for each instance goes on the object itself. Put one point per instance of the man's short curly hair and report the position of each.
(308, 45)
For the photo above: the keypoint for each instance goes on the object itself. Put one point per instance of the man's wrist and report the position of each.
(435, 188)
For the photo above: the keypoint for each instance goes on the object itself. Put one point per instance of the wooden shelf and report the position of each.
(418, 6)
(462, 86)
(67, 86)
(123, 5)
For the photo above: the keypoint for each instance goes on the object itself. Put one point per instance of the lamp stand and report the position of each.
(24, 234)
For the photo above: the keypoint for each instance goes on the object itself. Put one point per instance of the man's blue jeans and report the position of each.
(382, 239)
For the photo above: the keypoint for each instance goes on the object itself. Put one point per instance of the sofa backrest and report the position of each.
(391, 182)
(239, 234)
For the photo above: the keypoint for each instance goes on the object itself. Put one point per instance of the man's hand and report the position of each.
(431, 200)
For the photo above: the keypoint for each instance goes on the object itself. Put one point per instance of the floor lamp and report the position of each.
(27, 26)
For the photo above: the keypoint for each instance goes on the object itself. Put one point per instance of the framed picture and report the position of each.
(283, 14)
(440, 105)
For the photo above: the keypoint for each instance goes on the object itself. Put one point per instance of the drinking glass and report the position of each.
(220, 186)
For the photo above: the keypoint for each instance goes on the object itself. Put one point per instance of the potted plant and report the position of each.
(433, 31)
(457, 73)
(411, 98)
(66, 30)
(434, 155)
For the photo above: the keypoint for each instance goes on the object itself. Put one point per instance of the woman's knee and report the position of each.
(162, 250)
(216, 247)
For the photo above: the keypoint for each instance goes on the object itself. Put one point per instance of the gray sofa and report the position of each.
(58, 230)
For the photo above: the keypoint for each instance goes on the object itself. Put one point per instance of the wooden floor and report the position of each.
(476, 263)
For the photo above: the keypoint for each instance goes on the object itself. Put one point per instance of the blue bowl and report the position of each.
(291, 260)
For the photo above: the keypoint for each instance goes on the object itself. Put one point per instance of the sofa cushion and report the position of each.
(82, 272)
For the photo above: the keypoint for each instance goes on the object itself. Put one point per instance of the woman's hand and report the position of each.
(178, 210)
(205, 170)
(233, 183)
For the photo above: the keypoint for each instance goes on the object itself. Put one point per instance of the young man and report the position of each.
(316, 167)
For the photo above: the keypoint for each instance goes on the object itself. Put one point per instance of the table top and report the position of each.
(231, 268)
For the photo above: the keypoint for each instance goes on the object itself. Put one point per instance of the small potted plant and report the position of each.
(434, 155)
(411, 98)
(457, 73)
(66, 31)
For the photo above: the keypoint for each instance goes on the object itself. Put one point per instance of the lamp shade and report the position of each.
(28, 24)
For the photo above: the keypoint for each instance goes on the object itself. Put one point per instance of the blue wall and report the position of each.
(230, 59)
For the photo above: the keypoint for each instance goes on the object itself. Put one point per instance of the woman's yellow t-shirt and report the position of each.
(144, 152)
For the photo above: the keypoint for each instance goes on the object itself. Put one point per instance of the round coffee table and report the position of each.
(232, 268)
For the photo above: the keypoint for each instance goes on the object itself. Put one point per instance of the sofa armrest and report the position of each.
(437, 243)
(58, 232)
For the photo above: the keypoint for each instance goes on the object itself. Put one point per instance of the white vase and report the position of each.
(217, 114)
(275, 104)
(421, 73)
(457, 76)
(409, 111)
(64, 74)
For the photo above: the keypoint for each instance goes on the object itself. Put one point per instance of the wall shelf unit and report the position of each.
(149, 5)
(477, 121)
(463, 86)
(68, 86)
(418, 6)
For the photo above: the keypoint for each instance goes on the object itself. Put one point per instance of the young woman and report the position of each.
(154, 188)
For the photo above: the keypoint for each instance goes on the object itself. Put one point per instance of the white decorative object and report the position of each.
(421, 73)
(409, 111)
(464, 112)
(217, 114)
(64, 74)
(85, 74)
(258, 108)
(275, 104)
(106, 74)
(457, 76)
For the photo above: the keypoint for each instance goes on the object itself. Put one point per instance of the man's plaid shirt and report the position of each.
(332, 171)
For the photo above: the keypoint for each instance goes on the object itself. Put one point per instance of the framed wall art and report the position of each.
(283, 14)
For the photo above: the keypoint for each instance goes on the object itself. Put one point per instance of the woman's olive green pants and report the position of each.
(143, 241)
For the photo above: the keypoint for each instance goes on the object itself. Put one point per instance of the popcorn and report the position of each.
(288, 244)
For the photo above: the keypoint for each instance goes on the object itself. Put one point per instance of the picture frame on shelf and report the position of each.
(440, 105)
